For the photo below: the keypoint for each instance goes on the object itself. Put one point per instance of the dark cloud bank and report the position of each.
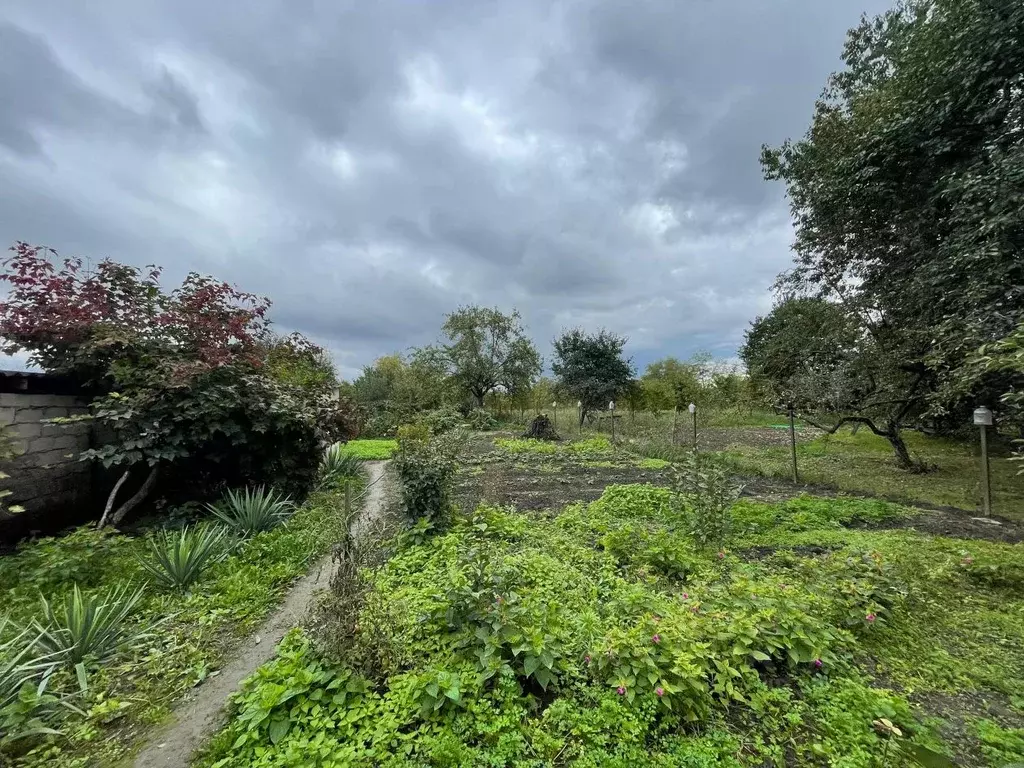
(372, 165)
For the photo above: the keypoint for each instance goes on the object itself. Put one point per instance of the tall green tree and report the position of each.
(485, 349)
(590, 368)
(812, 354)
(908, 192)
(670, 383)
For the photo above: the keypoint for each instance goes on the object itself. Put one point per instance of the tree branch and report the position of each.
(112, 497)
(135, 500)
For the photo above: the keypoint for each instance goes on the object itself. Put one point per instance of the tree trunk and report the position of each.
(112, 497)
(898, 446)
(479, 398)
(137, 499)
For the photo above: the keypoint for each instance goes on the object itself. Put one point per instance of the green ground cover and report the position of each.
(602, 636)
(864, 463)
(171, 639)
(371, 449)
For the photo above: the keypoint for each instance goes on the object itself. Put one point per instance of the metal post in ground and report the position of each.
(792, 442)
(555, 406)
(611, 413)
(675, 424)
(983, 418)
(693, 414)
(579, 416)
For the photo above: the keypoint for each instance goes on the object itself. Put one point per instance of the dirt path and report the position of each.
(196, 719)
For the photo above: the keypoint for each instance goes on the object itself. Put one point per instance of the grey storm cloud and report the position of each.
(371, 166)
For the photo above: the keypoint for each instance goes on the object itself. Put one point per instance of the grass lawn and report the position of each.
(371, 449)
(864, 463)
(599, 634)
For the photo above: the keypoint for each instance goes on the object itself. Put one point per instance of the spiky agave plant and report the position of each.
(88, 627)
(252, 510)
(176, 559)
(338, 465)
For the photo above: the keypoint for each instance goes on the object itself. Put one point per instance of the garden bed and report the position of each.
(603, 636)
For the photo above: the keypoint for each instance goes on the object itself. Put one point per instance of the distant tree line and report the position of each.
(485, 358)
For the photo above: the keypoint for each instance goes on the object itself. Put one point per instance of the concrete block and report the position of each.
(70, 442)
(28, 430)
(54, 413)
(7, 415)
(56, 456)
(27, 416)
(42, 444)
(12, 400)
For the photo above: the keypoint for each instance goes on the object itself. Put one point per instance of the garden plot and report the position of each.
(532, 474)
(814, 633)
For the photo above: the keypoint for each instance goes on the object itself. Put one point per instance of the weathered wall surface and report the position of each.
(46, 477)
(47, 472)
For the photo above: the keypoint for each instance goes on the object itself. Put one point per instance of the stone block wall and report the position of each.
(47, 474)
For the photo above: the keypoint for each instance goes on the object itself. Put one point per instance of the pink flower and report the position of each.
(695, 608)
(655, 618)
(656, 639)
(967, 560)
(721, 555)
(686, 595)
(586, 659)
(817, 663)
(621, 691)
(870, 618)
(659, 691)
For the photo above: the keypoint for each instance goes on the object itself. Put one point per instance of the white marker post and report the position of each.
(555, 406)
(579, 415)
(693, 413)
(611, 412)
(983, 418)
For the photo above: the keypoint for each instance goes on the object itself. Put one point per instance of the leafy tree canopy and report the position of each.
(485, 349)
(908, 195)
(590, 368)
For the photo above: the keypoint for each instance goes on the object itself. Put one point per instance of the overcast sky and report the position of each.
(371, 165)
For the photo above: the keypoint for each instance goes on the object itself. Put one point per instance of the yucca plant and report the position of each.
(252, 510)
(87, 627)
(338, 465)
(176, 559)
(21, 661)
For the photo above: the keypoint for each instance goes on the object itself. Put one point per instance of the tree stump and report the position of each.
(541, 428)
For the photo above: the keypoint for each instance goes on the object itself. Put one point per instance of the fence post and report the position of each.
(792, 442)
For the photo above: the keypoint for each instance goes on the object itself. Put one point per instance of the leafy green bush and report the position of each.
(705, 497)
(441, 419)
(252, 510)
(85, 556)
(88, 628)
(176, 559)
(426, 473)
(481, 420)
